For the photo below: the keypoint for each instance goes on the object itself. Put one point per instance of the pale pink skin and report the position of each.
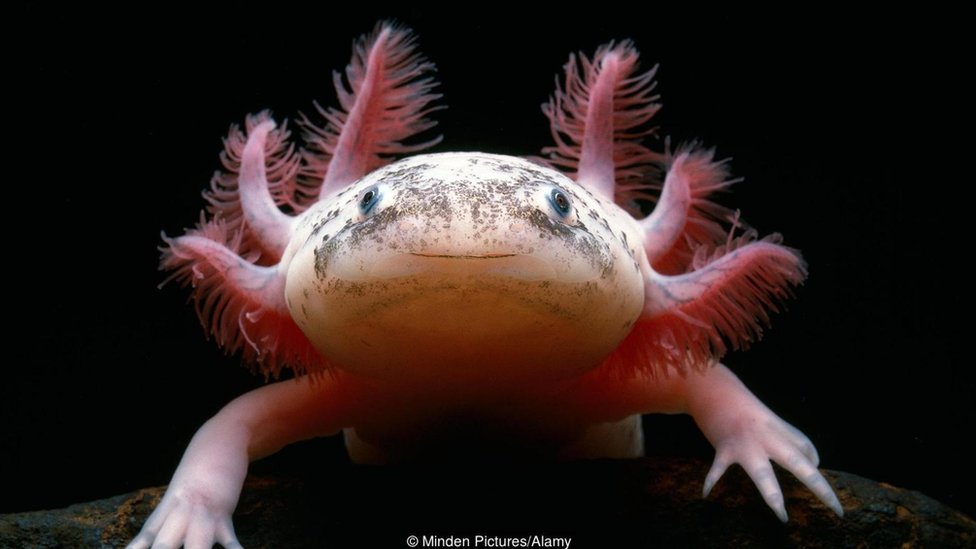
(698, 290)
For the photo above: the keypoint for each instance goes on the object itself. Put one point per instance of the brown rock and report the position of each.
(640, 503)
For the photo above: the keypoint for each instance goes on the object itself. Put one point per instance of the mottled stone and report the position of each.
(638, 503)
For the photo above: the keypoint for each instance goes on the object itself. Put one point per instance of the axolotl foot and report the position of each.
(196, 510)
(744, 431)
(185, 521)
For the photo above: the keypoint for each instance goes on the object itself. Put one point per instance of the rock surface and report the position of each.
(646, 503)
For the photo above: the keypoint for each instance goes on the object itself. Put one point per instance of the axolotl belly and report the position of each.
(452, 304)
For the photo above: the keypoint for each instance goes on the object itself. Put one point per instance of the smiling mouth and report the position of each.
(448, 256)
(427, 264)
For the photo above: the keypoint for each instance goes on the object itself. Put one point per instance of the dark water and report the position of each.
(118, 129)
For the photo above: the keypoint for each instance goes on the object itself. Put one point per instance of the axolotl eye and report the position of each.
(560, 202)
(370, 198)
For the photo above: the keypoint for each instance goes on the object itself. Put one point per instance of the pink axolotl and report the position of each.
(424, 300)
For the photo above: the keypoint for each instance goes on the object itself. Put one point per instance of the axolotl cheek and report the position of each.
(465, 266)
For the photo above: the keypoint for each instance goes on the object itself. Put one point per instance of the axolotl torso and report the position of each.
(470, 302)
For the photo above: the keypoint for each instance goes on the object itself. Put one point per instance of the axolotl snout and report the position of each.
(528, 301)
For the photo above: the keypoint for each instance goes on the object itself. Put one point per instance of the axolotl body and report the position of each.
(526, 306)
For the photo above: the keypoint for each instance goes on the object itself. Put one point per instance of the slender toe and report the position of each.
(719, 466)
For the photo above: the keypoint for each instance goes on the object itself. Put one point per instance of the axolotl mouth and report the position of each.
(448, 256)
(525, 267)
(505, 265)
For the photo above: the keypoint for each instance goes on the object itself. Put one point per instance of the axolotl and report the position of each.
(440, 302)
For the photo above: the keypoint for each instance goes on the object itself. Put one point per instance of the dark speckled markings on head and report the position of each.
(465, 207)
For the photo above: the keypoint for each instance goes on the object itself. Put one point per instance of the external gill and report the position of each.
(705, 291)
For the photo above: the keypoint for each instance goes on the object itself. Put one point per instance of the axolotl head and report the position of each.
(465, 266)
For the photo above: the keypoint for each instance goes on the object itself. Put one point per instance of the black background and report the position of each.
(836, 123)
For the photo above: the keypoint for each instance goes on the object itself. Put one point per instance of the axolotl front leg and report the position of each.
(196, 510)
(739, 426)
(744, 431)
(691, 317)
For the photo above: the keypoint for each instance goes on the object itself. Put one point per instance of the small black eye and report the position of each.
(369, 199)
(560, 202)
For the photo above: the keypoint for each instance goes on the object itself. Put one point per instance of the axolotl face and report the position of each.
(468, 267)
